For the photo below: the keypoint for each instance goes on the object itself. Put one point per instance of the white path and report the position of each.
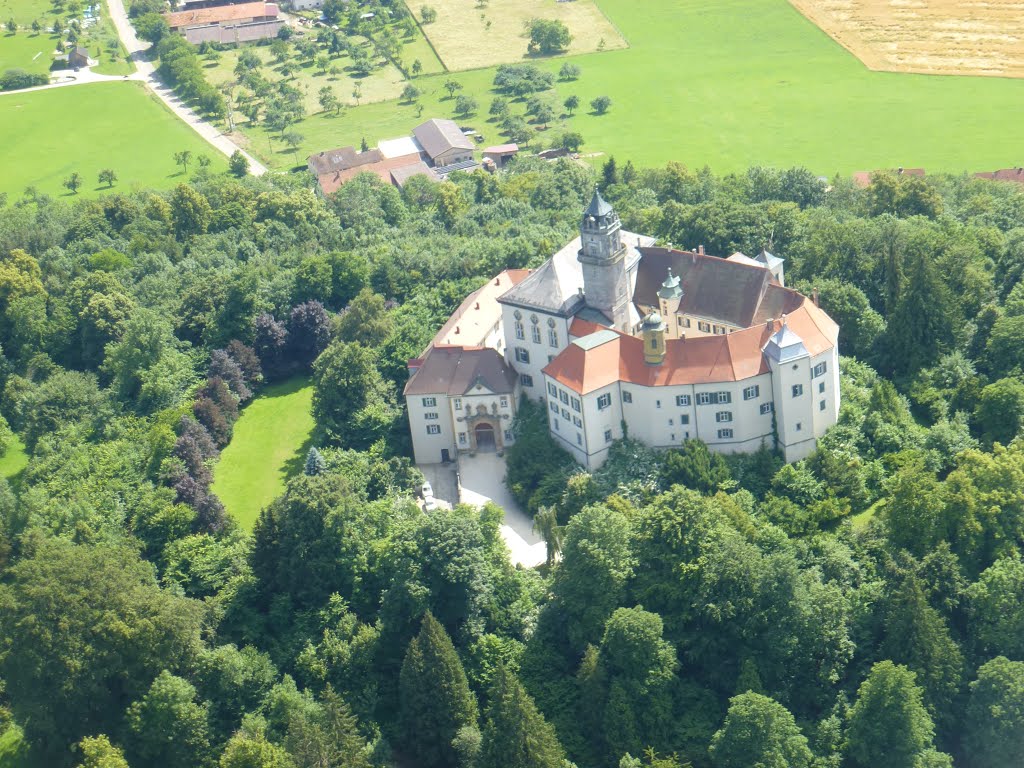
(482, 479)
(146, 72)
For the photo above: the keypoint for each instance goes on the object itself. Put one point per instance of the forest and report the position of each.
(862, 607)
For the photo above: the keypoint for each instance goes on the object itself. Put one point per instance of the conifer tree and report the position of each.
(315, 464)
(436, 700)
(516, 734)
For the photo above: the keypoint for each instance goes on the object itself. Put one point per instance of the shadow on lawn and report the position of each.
(297, 461)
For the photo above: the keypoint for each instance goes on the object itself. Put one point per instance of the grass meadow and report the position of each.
(467, 36)
(269, 445)
(729, 84)
(34, 52)
(45, 136)
(13, 461)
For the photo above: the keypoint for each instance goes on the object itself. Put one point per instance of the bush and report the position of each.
(16, 79)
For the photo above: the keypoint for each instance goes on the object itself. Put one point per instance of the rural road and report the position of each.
(146, 72)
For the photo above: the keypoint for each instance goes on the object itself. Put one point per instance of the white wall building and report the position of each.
(700, 348)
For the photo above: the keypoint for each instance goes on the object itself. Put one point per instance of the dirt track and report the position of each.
(951, 37)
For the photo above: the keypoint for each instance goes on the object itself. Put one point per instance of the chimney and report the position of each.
(478, 305)
(814, 297)
(693, 257)
(700, 249)
(580, 290)
(770, 324)
(456, 330)
(497, 281)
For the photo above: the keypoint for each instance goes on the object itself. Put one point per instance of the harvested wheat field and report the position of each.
(947, 37)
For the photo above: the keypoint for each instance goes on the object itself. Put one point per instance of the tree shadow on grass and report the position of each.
(295, 465)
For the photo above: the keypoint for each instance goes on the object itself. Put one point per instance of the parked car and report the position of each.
(430, 504)
(427, 490)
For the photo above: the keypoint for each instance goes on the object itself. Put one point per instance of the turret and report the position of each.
(668, 298)
(653, 329)
(603, 257)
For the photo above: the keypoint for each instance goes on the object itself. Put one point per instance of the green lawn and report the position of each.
(34, 52)
(27, 51)
(14, 461)
(47, 135)
(269, 445)
(733, 83)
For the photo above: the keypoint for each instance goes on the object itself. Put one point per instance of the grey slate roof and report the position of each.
(598, 206)
(730, 291)
(554, 287)
(437, 136)
(453, 371)
(785, 345)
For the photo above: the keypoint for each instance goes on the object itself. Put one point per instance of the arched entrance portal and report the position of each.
(484, 434)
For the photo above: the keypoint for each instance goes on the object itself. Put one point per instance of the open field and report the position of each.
(467, 36)
(34, 51)
(732, 84)
(45, 136)
(24, 12)
(269, 445)
(934, 37)
(26, 50)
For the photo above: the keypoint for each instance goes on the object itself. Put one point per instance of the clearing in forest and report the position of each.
(947, 37)
(268, 446)
(469, 34)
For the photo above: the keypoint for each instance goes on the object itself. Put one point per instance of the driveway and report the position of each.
(482, 479)
(147, 73)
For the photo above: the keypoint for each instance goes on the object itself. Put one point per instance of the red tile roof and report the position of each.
(331, 182)
(1004, 174)
(201, 16)
(701, 360)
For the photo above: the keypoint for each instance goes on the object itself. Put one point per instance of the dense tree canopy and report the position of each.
(860, 607)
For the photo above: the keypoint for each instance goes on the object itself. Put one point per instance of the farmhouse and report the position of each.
(615, 335)
(336, 167)
(444, 142)
(79, 57)
(1004, 174)
(239, 23)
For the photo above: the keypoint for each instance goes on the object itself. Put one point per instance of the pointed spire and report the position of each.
(670, 289)
(598, 205)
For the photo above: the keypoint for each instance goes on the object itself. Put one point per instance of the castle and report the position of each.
(613, 333)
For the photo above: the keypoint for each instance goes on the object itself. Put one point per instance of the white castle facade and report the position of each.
(613, 333)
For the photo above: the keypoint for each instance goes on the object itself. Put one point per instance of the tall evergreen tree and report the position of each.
(435, 697)
(922, 322)
(916, 635)
(516, 734)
